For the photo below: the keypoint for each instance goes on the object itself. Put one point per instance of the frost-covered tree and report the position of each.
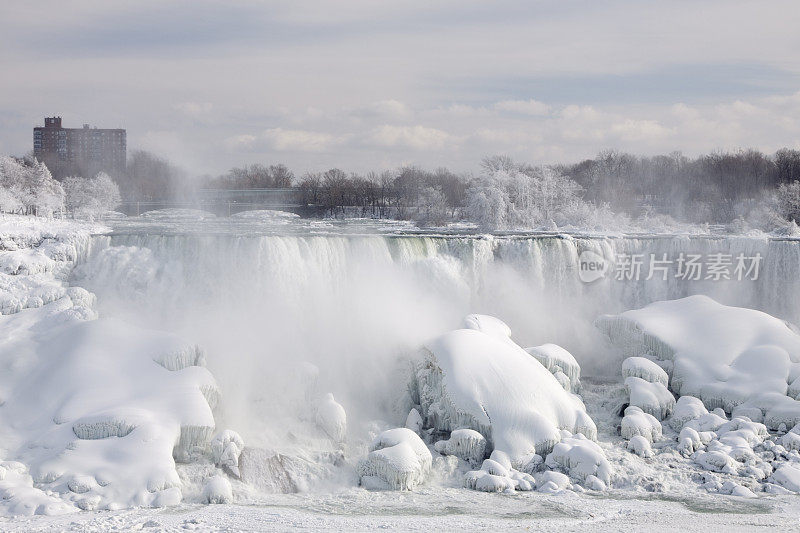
(29, 188)
(788, 201)
(507, 195)
(91, 197)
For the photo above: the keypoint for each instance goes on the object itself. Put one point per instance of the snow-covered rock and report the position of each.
(723, 355)
(637, 422)
(641, 367)
(551, 481)
(787, 476)
(331, 418)
(398, 460)
(483, 381)
(686, 408)
(652, 398)
(640, 446)
(466, 444)
(226, 447)
(217, 490)
(497, 475)
(579, 458)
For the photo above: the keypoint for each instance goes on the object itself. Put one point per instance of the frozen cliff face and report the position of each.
(469, 378)
(726, 356)
(398, 460)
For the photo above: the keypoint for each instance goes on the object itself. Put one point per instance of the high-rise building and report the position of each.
(79, 151)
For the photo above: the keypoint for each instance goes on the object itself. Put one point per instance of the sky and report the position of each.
(368, 85)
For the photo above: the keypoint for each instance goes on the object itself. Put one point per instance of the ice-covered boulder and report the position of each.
(652, 398)
(637, 422)
(226, 447)
(579, 458)
(494, 327)
(788, 477)
(331, 418)
(550, 481)
(483, 381)
(558, 360)
(723, 355)
(217, 490)
(686, 408)
(640, 446)
(497, 475)
(791, 440)
(466, 444)
(398, 460)
(641, 367)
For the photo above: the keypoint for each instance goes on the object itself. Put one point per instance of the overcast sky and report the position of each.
(377, 84)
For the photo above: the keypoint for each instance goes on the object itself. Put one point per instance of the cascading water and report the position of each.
(352, 304)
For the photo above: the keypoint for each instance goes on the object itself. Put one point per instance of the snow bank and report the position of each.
(481, 380)
(398, 460)
(725, 356)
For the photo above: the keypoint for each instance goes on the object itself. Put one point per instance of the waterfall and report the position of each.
(351, 304)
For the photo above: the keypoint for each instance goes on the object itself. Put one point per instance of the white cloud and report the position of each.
(523, 107)
(414, 137)
(194, 109)
(299, 140)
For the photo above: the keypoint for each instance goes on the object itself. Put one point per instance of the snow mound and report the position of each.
(497, 475)
(686, 408)
(414, 421)
(331, 418)
(580, 458)
(551, 482)
(725, 356)
(489, 325)
(641, 367)
(466, 444)
(558, 360)
(788, 477)
(652, 398)
(640, 446)
(398, 460)
(468, 378)
(226, 448)
(217, 490)
(638, 423)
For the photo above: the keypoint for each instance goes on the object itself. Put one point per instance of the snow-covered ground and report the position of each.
(109, 423)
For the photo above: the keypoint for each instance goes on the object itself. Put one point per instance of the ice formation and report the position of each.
(226, 448)
(331, 418)
(640, 446)
(466, 444)
(457, 382)
(398, 460)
